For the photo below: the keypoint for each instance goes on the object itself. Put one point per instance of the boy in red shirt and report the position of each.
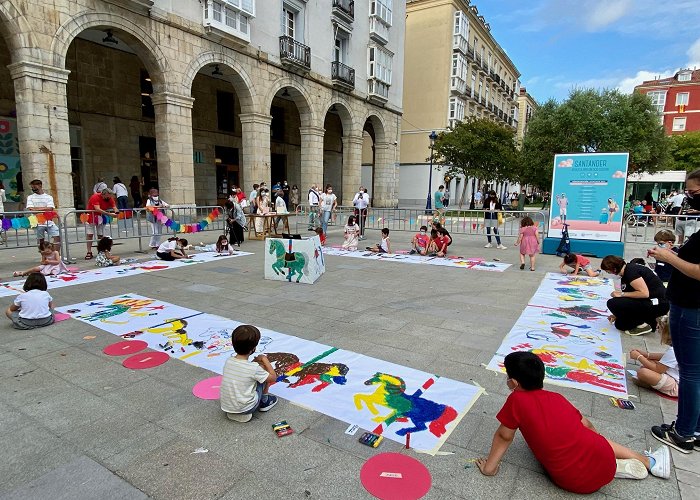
(575, 456)
(420, 242)
(438, 244)
(578, 263)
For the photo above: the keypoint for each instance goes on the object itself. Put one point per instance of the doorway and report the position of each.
(227, 172)
(278, 168)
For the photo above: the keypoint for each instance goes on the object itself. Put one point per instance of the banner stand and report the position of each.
(586, 247)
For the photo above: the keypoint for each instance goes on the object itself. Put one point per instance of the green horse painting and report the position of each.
(295, 261)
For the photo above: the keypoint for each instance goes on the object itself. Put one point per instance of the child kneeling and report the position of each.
(575, 456)
(33, 308)
(659, 371)
(245, 384)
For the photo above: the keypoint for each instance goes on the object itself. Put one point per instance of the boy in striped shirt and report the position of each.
(245, 384)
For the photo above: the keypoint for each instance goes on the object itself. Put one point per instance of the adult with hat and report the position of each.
(101, 205)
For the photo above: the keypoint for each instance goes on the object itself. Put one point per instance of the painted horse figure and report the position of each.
(391, 393)
(295, 262)
(288, 365)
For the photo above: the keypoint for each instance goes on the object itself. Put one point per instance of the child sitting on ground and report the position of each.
(578, 263)
(221, 246)
(420, 241)
(51, 263)
(573, 454)
(352, 234)
(659, 371)
(384, 246)
(245, 384)
(438, 243)
(172, 249)
(529, 242)
(665, 239)
(321, 235)
(32, 309)
(104, 253)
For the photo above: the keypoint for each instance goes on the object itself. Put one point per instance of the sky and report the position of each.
(559, 45)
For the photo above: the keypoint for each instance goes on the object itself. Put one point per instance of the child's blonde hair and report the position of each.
(665, 235)
(664, 329)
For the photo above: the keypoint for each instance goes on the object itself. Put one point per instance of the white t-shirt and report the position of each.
(43, 200)
(239, 384)
(33, 304)
(280, 205)
(120, 190)
(2, 200)
(677, 200)
(361, 200)
(384, 244)
(166, 246)
(313, 198)
(669, 360)
(327, 201)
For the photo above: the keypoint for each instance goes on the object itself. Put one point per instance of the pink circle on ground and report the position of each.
(125, 347)
(145, 360)
(209, 388)
(392, 476)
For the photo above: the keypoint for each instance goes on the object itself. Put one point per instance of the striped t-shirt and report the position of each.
(239, 384)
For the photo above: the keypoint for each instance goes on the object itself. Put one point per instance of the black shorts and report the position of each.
(165, 256)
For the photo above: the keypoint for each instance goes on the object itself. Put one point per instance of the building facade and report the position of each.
(454, 69)
(677, 100)
(526, 107)
(198, 95)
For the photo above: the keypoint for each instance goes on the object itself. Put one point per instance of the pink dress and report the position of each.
(528, 244)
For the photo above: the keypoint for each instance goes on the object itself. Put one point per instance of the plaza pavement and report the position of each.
(75, 424)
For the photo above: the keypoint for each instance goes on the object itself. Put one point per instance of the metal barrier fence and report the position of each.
(16, 230)
(134, 224)
(641, 228)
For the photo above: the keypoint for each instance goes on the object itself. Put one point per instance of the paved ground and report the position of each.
(75, 424)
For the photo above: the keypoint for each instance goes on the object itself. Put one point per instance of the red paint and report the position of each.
(405, 478)
(145, 360)
(428, 383)
(209, 388)
(125, 347)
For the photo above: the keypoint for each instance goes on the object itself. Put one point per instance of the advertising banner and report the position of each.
(588, 191)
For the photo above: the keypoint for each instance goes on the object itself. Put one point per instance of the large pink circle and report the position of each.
(145, 360)
(209, 388)
(393, 476)
(125, 347)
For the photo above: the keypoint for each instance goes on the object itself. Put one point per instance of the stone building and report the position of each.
(526, 107)
(454, 69)
(198, 95)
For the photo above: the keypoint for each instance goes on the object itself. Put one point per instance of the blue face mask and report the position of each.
(662, 245)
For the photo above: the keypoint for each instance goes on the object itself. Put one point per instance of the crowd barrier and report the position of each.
(641, 228)
(18, 229)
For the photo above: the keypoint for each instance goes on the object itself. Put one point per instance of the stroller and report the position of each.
(564, 245)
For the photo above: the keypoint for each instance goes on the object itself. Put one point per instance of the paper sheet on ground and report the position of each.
(104, 273)
(451, 261)
(376, 395)
(566, 325)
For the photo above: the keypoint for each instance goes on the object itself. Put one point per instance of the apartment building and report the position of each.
(195, 96)
(677, 99)
(526, 107)
(454, 69)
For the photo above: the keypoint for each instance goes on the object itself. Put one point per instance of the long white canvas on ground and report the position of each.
(104, 273)
(376, 395)
(451, 261)
(566, 325)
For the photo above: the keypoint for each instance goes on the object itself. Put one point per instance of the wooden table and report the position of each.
(268, 227)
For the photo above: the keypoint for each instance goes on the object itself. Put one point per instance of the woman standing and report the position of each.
(640, 301)
(684, 319)
(3, 199)
(156, 227)
(263, 204)
(235, 221)
(492, 207)
(328, 204)
(295, 197)
(135, 187)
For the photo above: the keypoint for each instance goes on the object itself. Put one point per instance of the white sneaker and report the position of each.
(501, 247)
(662, 467)
(488, 245)
(630, 468)
(240, 417)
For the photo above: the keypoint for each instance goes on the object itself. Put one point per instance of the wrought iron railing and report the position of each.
(345, 6)
(342, 73)
(295, 52)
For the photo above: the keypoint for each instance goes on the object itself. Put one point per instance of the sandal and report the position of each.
(88, 256)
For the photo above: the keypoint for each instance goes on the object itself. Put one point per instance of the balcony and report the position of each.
(140, 5)
(460, 43)
(295, 54)
(496, 78)
(344, 10)
(228, 19)
(489, 74)
(470, 52)
(458, 85)
(378, 31)
(342, 75)
(467, 91)
(377, 90)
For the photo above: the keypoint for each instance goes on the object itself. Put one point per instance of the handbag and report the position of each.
(500, 218)
(245, 203)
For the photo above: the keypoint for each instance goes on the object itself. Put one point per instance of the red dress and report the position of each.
(576, 458)
(528, 244)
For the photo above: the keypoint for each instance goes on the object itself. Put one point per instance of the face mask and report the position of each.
(155, 198)
(662, 245)
(423, 233)
(35, 190)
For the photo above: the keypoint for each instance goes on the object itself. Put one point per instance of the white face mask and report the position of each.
(155, 198)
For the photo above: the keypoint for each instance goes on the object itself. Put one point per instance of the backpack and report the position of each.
(564, 245)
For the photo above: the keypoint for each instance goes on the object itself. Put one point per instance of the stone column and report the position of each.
(256, 150)
(174, 147)
(352, 167)
(42, 129)
(311, 158)
(386, 176)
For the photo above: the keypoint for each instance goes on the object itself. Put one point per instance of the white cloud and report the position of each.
(606, 13)
(694, 54)
(627, 85)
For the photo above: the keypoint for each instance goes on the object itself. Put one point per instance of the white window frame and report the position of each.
(473, 84)
(682, 98)
(379, 63)
(296, 9)
(459, 65)
(461, 25)
(381, 9)
(678, 124)
(658, 99)
(685, 76)
(456, 109)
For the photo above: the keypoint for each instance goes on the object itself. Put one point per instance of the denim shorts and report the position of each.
(259, 391)
(42, 232)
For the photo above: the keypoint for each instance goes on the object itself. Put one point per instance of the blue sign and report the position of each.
(588, 191)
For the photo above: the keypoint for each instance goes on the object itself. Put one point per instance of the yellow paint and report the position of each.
(189, 355)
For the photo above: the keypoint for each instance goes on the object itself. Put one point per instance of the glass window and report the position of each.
(679, 124)
(658, 99)
(685, 76)
(380, 62)
(682, 99)
(288, 22)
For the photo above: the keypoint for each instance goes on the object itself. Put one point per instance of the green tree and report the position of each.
(592, 121)
(686, 151)
(477, 148)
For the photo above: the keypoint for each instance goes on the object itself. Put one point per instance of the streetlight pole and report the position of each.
(429, 200)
